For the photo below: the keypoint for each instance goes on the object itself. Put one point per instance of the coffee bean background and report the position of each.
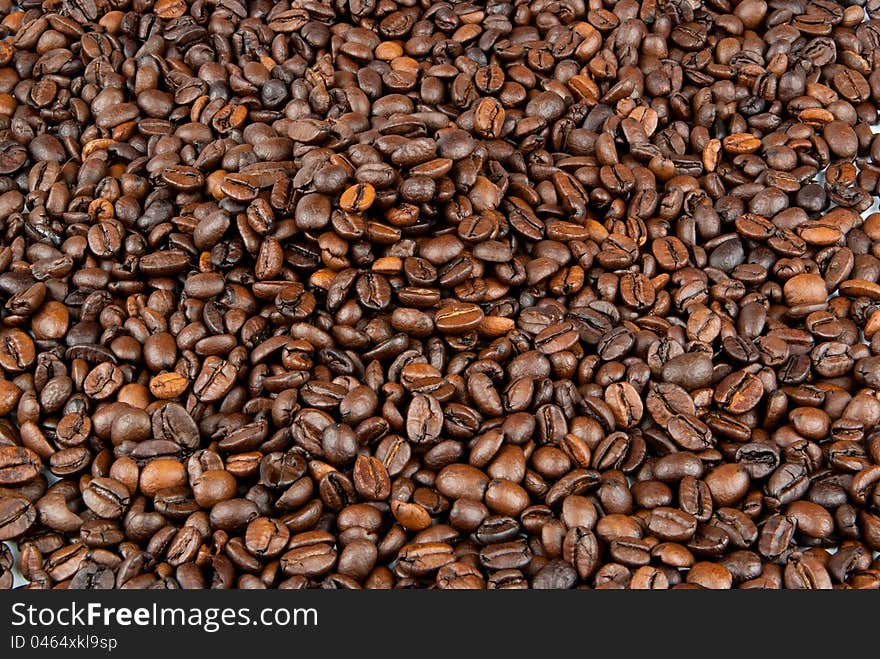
(377, 294)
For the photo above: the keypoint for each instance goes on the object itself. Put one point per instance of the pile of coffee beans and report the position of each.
(415, 294)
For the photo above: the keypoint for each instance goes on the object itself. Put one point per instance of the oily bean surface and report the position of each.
(440, 295)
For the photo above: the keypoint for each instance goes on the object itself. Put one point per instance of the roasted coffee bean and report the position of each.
(371, 478)
(106, 497)
(776, 537)
(18, 465)
(266, 537)
(173, 423)
(739, 392)
(93, 577)
(17, 350)
(458, 318)
(671, 524)
(421, 559)
(804, 571)
(424, 420)
(17, 515)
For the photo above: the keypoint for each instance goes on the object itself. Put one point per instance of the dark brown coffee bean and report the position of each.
(180, 177)
(371, 478)
(17, 515)
(106, 497)
(671, 524)
(739, 392)
(18, 465)
(17, 351)
(489, 118)
(458, 318)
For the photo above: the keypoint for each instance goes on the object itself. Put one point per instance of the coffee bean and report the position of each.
(106, 497)
(710, 575)
(371, 478)
(358, 198)
(805, 289)
(310, 560)
(17, 515)
(458, 318)
(18, 465)
(421, 559)
(489, 118)
(17, 351)
(625, 404)
(266, 537)
(803, 571)
(739, 392)
(181, 177)
(690, 370)
(671, 524)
